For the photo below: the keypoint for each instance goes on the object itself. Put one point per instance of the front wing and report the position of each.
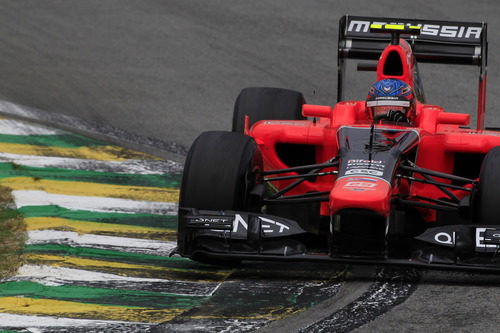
(231, 235)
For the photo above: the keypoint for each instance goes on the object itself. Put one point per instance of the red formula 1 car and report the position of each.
(294, 181)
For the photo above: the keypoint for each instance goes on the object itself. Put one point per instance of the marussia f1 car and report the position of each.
(294, 181)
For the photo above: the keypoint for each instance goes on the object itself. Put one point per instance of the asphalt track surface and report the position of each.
(171, 69)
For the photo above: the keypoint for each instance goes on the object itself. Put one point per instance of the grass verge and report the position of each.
(12, 234)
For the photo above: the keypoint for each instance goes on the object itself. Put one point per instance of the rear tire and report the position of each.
(487, 207)
(266, 104)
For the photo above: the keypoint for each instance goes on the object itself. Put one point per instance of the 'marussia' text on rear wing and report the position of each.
(445, 42)
(438, 42)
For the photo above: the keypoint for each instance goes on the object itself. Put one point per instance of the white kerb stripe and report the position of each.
(33, 322)
(55, 276)
(17, 127)
(52, 276)
(132, 245)
(94, 204)
(142, 167)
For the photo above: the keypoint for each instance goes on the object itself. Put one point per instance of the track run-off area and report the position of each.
(101, 226)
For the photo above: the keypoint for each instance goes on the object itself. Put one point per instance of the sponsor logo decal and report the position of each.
(209, 220)
(360, 184)
(436, 30)
(445, 238)
(267, 225)
(365, 167)
(361, 179)
(237, 221)
(487, 239)
(364, 172)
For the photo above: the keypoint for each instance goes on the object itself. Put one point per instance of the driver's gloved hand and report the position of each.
(396, 116)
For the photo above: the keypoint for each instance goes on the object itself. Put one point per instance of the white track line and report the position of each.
(92, 128)
(17, 127)
(33, 322)
(56, 276)
(94, 204)
(143, 167)
(123, 244)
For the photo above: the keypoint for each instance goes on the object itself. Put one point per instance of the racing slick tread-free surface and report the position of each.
(488, 209)
(215, 171)
(266, 104)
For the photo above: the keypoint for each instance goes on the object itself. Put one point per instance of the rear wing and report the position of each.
(445, 42)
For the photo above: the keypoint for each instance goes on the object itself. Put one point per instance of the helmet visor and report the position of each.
(380, 108)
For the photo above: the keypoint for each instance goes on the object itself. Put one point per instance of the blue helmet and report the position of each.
(391, 99)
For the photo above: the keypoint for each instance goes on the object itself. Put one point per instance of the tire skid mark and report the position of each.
(238, 305)
(392, 287)
(228, 324)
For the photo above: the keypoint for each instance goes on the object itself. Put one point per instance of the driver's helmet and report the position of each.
(391, 99)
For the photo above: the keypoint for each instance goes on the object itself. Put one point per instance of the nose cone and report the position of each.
(361, 192)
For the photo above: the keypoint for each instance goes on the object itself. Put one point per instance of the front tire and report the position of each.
(218, 172)
(218, 175)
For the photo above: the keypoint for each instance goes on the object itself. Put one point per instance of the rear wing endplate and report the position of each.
(445, 42)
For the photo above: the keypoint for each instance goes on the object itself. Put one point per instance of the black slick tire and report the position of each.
(218, 174)
(216, 171)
